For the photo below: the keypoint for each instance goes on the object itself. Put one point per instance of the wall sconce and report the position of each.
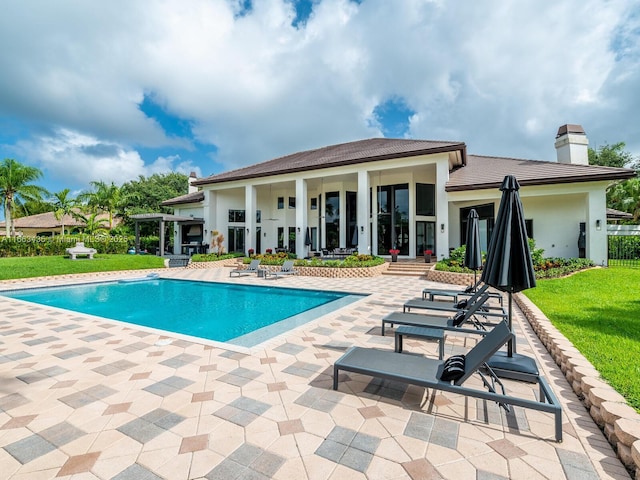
(247, 229)
(265, 234)
(442, 227)
(598, 225)
(298, 229)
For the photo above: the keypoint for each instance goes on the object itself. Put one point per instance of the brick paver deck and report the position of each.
(87, 398)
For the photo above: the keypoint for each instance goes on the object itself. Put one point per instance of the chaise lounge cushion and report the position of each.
(458, 319)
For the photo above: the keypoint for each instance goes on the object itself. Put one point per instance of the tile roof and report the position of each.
(49, 220)
(192, 197)
(483, 172)
(373, 149)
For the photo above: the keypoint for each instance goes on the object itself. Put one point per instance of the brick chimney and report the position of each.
(572, 145)
(192, 178)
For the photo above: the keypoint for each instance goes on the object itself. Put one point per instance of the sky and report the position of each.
(111, 90)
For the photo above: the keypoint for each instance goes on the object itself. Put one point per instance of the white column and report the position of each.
(250, 217)
(597, 227)
(363, 213)
(301, 217)
(442, 211)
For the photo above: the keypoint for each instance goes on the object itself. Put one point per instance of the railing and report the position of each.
(624, 250)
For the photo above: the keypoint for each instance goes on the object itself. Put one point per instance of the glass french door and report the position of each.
(425, 237)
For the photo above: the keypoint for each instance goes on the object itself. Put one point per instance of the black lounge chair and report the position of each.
(252, 268)
(429, 373)
(480, 296)
(454, 322)
(453, 294)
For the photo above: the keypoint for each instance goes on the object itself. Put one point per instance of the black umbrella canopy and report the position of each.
(473, 253)
(509, 267)
(307, 238)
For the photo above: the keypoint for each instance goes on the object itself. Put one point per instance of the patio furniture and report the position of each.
(287, 269)
(420, 332)
(454, 322)
(81, 250)
(449, 375)
(487, 310)
(431, 293)
(251, 269)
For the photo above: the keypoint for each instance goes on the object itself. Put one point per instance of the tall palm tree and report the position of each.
(63, 205)
(16, 186)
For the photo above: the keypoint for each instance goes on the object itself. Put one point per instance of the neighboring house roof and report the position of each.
(371, 150)
(488, 172)
(48, 220)
(614, 214)
(192, 197)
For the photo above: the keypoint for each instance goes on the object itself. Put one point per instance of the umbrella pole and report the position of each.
(511, 347)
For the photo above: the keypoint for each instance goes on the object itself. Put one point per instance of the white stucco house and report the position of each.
(413, 195)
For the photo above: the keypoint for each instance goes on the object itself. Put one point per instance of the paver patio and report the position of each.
(87, 398)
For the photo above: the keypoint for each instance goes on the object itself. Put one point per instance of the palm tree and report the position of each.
(16, 186)
(108, 198)
(92, 224)
(63, 205)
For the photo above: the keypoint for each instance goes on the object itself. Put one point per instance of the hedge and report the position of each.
(47, 246)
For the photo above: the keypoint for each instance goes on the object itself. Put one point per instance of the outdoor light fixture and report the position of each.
(442, 227)
(598, 225)
(298, 229)
(247, 229)
(361, 228)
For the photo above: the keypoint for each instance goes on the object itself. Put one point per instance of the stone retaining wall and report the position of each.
(327, 272)
(619, 421)
(450, 277)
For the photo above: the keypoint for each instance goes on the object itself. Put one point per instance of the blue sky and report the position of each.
(113, 90)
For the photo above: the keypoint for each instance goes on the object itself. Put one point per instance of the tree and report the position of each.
(16, 187)
(108, 198)
(63, 205)
(612, 156)
(92, 224)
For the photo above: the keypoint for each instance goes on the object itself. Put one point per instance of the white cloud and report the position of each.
(79, 159)
(500, 76)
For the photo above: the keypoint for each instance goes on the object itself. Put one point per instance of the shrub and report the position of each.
(213, 257)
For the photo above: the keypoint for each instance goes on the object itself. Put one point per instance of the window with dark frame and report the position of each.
(236, 216)
(425, 199)
(314, 203)
(280, 203)
(292, 202)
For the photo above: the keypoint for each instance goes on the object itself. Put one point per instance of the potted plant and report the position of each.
(427, 256)
(394, 254)
(251, 252)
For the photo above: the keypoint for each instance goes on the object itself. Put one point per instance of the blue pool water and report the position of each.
(215, 311)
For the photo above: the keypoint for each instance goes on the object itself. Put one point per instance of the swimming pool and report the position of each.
(238, 314)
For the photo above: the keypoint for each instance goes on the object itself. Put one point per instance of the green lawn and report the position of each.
(26, 267)
(599, 311)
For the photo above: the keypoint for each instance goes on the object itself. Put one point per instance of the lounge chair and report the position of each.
(252, 268)
(80, 249)
(435, 374)
(454, 322)
(454, 294)
(487, 310)
(287, 269)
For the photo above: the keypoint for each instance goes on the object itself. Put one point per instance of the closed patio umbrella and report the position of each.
(509, 267)
(307, 240)
(473, 253)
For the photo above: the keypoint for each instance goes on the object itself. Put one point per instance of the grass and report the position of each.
(28, 267)
(598, 310)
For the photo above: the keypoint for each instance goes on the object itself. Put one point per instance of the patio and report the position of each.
(96, 399)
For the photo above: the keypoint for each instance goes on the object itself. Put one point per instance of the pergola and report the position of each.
(161, 218)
